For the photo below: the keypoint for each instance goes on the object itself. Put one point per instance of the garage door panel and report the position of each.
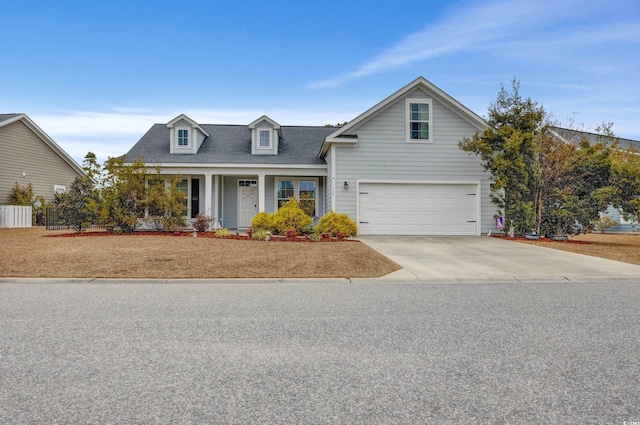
(417, 209)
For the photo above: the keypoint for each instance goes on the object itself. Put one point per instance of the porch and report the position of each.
(234, 198)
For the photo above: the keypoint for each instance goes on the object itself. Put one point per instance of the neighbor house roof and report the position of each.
(231, 144)
(7, 119)
(575, 136)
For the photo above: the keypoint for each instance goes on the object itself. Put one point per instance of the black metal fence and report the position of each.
(53, 221)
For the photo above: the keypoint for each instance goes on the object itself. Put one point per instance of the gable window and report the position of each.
(183, 137)
(419, 120)
(265, 139)
(305, 191)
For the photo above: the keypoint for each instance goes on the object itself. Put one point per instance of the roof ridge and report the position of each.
(594, 134)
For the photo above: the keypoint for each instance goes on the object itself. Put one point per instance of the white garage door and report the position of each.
(417, 209)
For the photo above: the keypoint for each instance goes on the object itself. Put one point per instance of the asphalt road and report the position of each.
(320, 353)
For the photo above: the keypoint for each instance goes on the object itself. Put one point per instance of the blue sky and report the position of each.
(95, 75)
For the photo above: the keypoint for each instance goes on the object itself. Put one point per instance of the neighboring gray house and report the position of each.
(394, 169)
(28, 155)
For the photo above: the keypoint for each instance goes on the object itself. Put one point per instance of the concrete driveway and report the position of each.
(480, 258)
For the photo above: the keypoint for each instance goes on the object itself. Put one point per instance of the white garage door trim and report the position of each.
(470, 225)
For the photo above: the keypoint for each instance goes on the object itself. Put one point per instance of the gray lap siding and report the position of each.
(383, 154)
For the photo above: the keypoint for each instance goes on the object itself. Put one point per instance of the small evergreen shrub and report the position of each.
(290, 216)
(221, 233)
(259, 235)
(261, 221)
(314, 237)
(335, 224)
(603, 223)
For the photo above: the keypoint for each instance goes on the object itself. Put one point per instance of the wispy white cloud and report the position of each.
(474, 28)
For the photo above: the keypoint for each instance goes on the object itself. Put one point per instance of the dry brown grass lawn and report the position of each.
(618, 247)
(29, 253)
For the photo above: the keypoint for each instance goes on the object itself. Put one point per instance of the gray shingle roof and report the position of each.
(231, 144)
(4, 117)
(575, 136)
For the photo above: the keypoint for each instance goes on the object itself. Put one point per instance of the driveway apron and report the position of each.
(480, 258)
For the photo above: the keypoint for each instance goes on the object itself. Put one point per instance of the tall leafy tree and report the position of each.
(165, 203)
(508, 152)
(123, 193)
(74, 206)
(551, 161)
(625, 175)
(543, 182)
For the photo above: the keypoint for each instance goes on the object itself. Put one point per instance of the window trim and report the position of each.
(259, 130)
(418, 100)
(178, 130)
(296, 190)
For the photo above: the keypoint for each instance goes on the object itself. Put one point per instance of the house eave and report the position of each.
(239, 169)
(264, 118)
(194, 124)
(330, 141)
(47, 140)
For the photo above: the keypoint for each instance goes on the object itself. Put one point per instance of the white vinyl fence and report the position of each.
(15, 216)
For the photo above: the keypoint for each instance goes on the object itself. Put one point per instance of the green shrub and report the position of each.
(260, 235)
(261, 221)
(334, 224)
(603, 223)
(290, 216)
(221, 233)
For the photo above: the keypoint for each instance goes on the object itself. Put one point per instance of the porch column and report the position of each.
(216, 197)
(261, 192)
(207, 194)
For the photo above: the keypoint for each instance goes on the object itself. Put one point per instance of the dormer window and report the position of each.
(183, 137)
(265, 136)
(265, 139)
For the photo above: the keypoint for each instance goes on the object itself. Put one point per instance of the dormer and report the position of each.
(265, 135)
(185, 135)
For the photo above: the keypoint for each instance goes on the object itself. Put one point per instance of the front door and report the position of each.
(247, 202)
(195, 198)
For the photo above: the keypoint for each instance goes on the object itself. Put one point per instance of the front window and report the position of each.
(285, 191)
(419, 120)
(305, 191)
(183, 186)
(183, 137)
(307, 197)
(265, 139)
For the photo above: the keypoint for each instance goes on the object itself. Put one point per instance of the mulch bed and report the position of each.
(274, 238)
